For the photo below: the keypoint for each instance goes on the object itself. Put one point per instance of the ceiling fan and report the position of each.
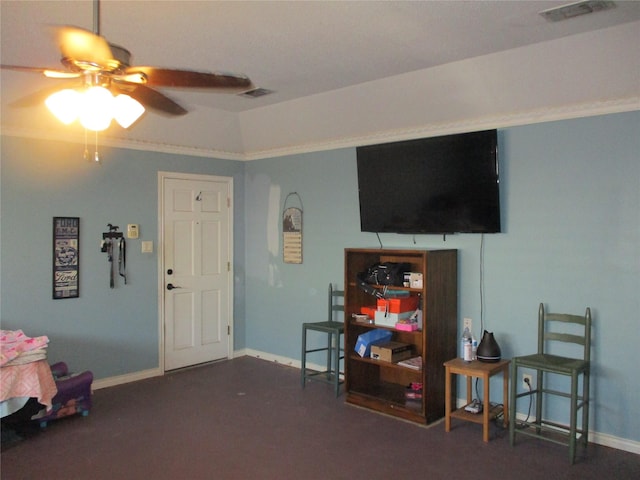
(92, 61)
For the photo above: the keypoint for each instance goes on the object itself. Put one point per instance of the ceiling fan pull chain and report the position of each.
(96, 155)
(103, 69)
(86, 148)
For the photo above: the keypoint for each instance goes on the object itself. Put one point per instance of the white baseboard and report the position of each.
(604, 439)
(614, 442)
(279, 359)
(268, 356)
(127, 378)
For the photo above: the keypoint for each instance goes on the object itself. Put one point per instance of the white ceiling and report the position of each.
(320, 55)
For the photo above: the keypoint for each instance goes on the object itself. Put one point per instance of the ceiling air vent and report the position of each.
(575, 9)
(256, 93)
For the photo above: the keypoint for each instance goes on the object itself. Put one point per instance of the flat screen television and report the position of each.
(446, 184)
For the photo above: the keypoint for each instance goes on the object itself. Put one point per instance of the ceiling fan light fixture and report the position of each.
(97, 109)
(64, 104)
(104, 70)
(127, 110)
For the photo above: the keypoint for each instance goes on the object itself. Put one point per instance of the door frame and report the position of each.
(162, 175)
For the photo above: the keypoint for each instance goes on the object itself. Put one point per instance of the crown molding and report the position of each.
(547, 114)
(114, 142)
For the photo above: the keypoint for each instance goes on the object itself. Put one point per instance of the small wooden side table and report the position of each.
(485, 371)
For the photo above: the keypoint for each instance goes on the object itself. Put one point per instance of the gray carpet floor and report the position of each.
(250, 419)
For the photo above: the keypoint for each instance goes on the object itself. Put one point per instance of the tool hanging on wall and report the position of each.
(122, 259)
(108, 241)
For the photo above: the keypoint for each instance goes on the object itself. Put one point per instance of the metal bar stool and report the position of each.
(335, 350)
(545, 364)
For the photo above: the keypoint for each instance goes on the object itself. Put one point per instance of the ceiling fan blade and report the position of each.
(81, 44)
(166, 77)
(150, 98)
(21, 68)
(47, 72)
(60, 74)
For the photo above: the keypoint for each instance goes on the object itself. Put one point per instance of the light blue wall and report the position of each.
(571, 215)
(110, 332)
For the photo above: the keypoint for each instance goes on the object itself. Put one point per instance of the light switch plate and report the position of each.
(147, 246)
(132, 230)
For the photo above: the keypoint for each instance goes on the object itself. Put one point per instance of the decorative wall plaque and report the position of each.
(66, 257)
(292, 232)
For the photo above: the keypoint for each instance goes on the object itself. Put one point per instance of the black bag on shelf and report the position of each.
(387, 273)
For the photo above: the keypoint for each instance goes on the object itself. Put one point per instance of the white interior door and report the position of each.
(197, 270)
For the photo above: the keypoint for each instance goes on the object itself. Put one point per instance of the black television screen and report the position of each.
(446, 184)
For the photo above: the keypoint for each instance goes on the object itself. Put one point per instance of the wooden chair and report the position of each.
(335, 350)
(554, 328)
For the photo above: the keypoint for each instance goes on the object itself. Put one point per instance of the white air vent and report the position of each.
(256, 92)
(575, 9)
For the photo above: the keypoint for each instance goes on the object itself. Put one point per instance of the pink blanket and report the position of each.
(14, 343)
(29, 380)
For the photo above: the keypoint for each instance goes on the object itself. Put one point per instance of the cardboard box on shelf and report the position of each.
(391, 351)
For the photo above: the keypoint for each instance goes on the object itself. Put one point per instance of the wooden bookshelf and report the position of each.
(382, 385)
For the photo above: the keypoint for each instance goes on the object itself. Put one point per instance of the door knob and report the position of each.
(170, 286)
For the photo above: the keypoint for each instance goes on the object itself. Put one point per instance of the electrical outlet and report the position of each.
(467, 324)
(525, 377)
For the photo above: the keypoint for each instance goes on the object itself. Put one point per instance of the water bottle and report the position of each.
(467, 345)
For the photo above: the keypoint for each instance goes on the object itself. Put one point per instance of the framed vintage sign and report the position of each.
(66, 257)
